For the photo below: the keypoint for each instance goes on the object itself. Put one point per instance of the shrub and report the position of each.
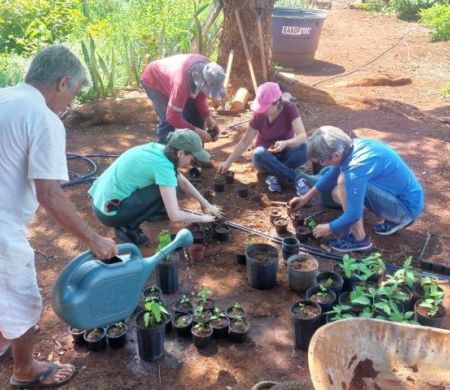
(12, 69)
(438, 19)
(409, 9)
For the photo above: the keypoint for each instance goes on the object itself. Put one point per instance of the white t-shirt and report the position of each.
(32, 146)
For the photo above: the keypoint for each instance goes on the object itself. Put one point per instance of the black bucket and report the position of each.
(295, 35)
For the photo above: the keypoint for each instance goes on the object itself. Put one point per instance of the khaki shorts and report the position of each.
(20, 299)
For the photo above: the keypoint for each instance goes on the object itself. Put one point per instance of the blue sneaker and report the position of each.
(387, 227)
(348, 243)
(301, 188)
(273, 184)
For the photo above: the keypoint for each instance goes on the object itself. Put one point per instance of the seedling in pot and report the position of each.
(164, 239)
(349, 266)
(407, 274)
(236, 310)
(433, 303)
(155, 313)
(201, 315)
(202, 298)
(430, 287)
(327, 283)
(311, 223)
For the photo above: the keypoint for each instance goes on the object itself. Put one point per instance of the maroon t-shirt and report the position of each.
(279, 130)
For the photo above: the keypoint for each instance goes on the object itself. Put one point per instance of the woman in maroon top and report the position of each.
(178, 87)
(281, 139)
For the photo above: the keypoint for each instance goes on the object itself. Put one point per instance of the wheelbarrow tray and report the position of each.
(357, 354)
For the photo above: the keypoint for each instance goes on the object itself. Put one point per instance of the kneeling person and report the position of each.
(141, 185)
(364, 172)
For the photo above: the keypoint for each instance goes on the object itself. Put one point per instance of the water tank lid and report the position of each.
(298, 13)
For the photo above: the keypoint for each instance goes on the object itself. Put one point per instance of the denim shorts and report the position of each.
(386, 205)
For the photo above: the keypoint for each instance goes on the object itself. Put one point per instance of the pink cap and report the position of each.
(266, 94)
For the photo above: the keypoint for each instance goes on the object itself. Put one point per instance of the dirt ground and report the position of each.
(350, 40)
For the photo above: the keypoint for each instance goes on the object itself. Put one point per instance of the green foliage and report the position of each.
(371, 5)
(218, 314)
(311, 223)
(295, 3)
(407, 274)
(154, 314)
(438, 19)
(203, 294)
(12, 69)
(349, 266)
(339, 312)
(102, 72)
(184, 299)
(29, 25)
(410, 9)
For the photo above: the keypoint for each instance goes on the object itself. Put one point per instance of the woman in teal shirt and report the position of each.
(141, 185)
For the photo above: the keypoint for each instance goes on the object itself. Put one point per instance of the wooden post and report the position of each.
(246, 51)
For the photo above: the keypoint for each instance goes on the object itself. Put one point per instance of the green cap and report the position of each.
(189, 141)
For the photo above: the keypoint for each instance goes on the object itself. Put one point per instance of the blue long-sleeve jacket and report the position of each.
(372, 161)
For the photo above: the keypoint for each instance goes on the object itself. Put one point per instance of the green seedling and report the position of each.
(311, 223)
(164, 239)
(407, 274)
(218, 314)
(154, 313)
(339, 312)
(203, 295)
(327, 283)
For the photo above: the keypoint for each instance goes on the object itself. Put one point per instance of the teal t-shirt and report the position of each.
(135, 169)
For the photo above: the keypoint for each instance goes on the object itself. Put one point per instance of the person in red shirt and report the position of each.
(280, 139)
(178, 87)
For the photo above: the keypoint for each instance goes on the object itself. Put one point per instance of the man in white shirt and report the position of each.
(32, 165)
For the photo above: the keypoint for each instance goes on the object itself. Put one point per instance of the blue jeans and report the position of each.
(145, 204)
(160, 102)
(386, 205)
(282, 165)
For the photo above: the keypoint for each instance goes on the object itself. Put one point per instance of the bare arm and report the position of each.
(242, 146)
(299, 138)
(55, 202)
(169, 197)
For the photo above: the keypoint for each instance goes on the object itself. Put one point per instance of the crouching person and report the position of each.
(141, 185)
(364, 173)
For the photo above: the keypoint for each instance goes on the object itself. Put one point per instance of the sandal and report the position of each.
(50, 372)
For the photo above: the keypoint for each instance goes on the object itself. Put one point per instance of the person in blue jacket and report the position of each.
(363, 173)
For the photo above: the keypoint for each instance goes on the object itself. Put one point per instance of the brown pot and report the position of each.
(274, 214)
(197, 252)
(280, 225)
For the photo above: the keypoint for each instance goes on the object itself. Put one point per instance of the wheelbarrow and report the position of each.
(359, 354)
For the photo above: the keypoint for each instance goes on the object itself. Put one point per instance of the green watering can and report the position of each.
(325, 197)
(90, 293)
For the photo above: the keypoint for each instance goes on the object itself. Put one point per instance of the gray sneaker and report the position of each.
(301, 188)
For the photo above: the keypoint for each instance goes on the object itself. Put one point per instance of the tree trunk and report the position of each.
(231, 39)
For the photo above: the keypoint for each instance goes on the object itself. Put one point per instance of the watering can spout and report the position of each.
(183, 238)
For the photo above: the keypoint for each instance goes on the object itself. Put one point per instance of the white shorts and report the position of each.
(20, 299)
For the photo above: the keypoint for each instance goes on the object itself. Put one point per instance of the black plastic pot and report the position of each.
(183, 330)
(337, 284)
(233, 313)
(238, 330)
(274, 214)
(151, 291)
(289, 246)
(214, 133)
(167, 274)
(297, 218)
(324, 306)
(242, 191)
(116, 340)
(305, 326)
(425, 320)
(220, 327)
(219, 184)
(202, 338)
(221, 232)
(199, 237)
(280, 225)
(229, 177)
(301, 277)
(77, 335)
(204, 317)
(348, 282)
(99, 343)
(303, 233)
(150, 340)
(184, 308)
(195, 172)
(262, 265)
(208, 304)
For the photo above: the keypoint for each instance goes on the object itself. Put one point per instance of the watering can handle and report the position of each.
(69, 270)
